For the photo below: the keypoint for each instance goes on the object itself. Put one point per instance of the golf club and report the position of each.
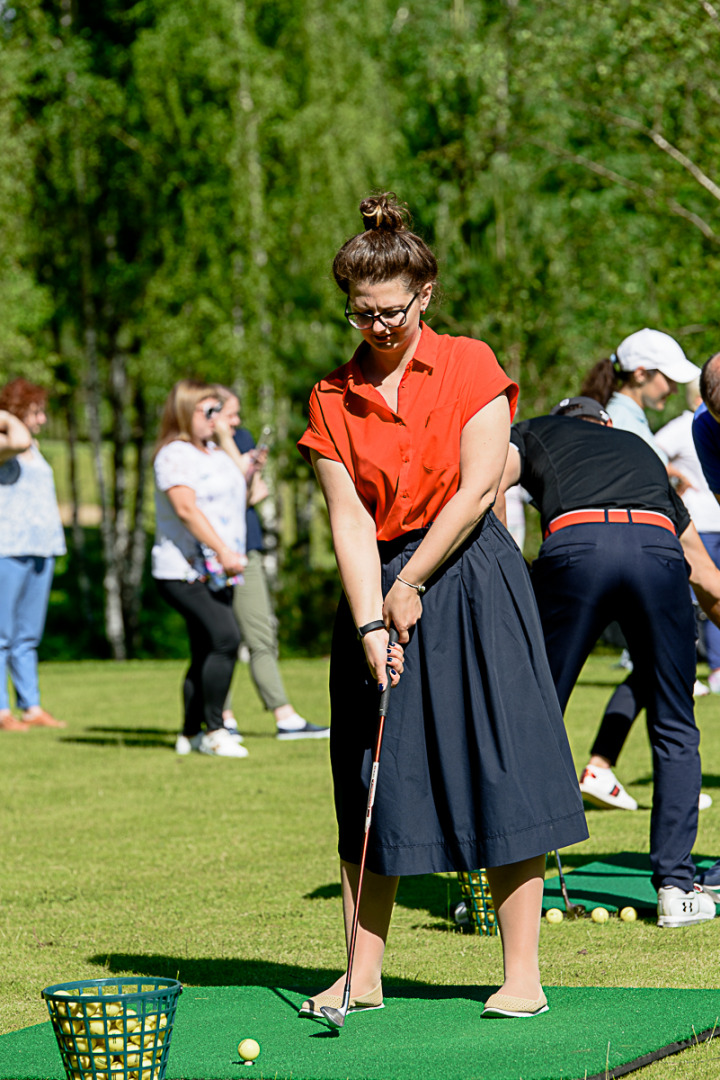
(575, 911)
(336, 1017)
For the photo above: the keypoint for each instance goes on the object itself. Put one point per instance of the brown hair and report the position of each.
(710, 383)
(17, 396)
(603, 380)
(386, 249)
(176, 421)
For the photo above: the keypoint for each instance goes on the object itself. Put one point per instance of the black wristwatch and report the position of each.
(368, 628)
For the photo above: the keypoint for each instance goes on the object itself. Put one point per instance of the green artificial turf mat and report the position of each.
(431, 1032)
(615, 882)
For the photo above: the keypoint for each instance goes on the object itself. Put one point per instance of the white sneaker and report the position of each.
(678, 908)
(183, 745)
(700, 689)
(221, 743)
(297, 727)
(602, 788)
(704, 801)
(714, 681)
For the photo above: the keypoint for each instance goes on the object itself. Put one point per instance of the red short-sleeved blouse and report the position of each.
(405, 464)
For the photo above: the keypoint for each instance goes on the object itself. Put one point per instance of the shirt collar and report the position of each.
(424, 356)
(427, 348)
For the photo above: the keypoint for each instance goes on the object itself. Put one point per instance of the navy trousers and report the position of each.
(588, 575)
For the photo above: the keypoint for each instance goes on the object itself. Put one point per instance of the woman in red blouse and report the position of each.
(408, 441)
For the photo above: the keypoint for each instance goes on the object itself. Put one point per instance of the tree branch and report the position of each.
(677, 155)
(647, 192)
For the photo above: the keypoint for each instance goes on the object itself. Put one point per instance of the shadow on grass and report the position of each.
(629, 860)
(709, 780)
(140, 737)
(422, 892)
(239, 972)
(635, 862)
(121, 737)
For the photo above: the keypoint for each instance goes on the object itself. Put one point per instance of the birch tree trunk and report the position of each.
(132, 582)
(114, 627)
(76, 531)
(118, 398)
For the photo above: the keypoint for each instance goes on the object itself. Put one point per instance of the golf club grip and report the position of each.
(385, 696)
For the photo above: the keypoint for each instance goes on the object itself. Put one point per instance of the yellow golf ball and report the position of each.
(599, 915)
(628, 914)
(248, 1049)
(554, 915)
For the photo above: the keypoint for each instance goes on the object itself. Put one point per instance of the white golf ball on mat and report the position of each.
(248, 1049)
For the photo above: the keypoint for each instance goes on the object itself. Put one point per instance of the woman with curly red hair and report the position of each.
(31, 536)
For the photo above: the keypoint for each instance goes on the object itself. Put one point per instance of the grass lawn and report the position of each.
(121, 858)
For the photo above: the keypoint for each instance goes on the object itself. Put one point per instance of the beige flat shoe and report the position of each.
(517, 1008)
(311, 1007)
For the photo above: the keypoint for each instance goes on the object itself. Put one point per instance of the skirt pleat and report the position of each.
(475, 769)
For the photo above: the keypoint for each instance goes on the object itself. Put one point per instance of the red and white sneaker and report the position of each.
(602, 788)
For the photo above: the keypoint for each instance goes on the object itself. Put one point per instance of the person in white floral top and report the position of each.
(198, 556)
(31, 536)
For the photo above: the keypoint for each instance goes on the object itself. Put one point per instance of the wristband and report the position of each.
(368, 628)
(419, 589)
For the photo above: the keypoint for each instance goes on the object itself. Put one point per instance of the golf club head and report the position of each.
(576, 911)
(334, 1017)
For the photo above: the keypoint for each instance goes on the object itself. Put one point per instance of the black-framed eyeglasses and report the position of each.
(211, 410)
(391, 320)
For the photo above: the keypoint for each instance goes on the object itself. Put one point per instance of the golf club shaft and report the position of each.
(382, 712)
(568, 905)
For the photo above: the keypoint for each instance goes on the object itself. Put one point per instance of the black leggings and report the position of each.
(214, 642)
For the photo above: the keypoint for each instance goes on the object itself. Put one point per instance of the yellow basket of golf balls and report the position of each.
(114, 1029)
(478, 901)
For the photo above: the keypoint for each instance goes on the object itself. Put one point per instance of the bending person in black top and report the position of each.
(611, 552)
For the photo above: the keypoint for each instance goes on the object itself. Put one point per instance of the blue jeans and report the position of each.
(712, 633)
(584, 577)
(25, 582)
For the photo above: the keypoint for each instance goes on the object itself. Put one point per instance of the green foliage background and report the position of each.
(178, 175)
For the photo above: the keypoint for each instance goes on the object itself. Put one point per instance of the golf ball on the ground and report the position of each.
(628, 914)
(599, 914)
(248, 1049)
(554, 914)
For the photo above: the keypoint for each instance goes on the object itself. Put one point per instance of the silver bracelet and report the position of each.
(419, 589)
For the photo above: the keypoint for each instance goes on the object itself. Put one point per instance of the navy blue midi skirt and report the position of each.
(475, 769)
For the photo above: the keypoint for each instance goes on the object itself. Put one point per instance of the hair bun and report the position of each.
(384, 212)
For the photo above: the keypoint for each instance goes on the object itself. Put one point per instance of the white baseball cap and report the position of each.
(655, 351)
